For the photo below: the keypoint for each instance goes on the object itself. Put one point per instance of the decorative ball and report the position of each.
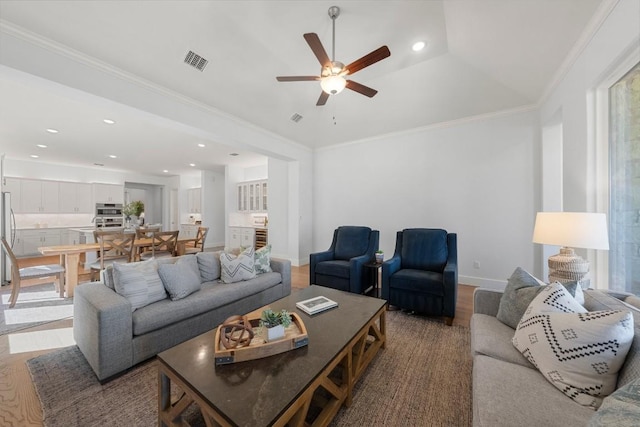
(236, 332)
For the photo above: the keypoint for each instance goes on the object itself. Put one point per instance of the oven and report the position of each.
(109, 215)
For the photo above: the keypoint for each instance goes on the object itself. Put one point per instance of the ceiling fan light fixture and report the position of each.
(333, 84)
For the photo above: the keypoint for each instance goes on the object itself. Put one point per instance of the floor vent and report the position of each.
(195, 60)
(296, 117)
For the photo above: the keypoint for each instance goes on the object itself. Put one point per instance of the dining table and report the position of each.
(70, 256)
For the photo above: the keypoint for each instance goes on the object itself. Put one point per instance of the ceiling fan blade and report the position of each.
(369, 59)
(297, 78)
(323, 98)
(357, 87)
(316, 46)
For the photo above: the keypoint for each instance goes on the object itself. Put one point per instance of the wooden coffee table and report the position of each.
(308, 384)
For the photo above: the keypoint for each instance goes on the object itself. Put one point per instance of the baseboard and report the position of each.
(481, 282)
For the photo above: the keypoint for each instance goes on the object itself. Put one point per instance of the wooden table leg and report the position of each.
(71, 263)
(180, 248)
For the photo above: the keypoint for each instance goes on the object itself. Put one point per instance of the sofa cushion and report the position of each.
(211, 296)
(491, 337)
(209, 265)
(334, 268)
(620, 409)
(579, 352)
(417, 281)
(424, 249)
(507, 394)
(598, 300)
(181, 278)
(351, 242)
(139, 282)
(521, 289)
(263, 260)
(237, 268)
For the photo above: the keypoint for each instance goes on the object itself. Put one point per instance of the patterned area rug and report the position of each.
(36, 305)
(422, 378)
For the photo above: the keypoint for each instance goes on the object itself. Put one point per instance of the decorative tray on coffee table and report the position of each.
(256, 347)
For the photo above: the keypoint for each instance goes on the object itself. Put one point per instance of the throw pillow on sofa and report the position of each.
(138, 282)
(620, 409)
(209, 266)
(521, 289)
(237, 268)
(181, 278)
(577, 351)
(263, 260)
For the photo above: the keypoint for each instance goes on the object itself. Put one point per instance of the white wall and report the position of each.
(213, 207)
(616, 42)
(475, 179)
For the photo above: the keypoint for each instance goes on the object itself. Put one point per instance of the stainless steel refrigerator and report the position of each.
(8, 231)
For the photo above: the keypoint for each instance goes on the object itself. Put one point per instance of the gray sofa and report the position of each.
(509, 391)
(114, 338)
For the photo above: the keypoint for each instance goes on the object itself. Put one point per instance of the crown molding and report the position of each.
(594, 24)
(441, 125)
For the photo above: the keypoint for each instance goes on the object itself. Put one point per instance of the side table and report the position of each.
(375, 269)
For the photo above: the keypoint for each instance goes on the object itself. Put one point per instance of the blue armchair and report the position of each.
(422, 275)
(342, 265)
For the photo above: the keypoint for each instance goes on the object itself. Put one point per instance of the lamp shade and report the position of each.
(572, 229)
(333, 84)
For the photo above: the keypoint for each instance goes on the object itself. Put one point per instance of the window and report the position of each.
(624, 183)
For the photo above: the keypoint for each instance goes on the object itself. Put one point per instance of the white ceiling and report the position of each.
(482, 56)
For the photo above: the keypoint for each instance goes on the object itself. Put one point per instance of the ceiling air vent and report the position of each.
(195, 60)
(296, 117)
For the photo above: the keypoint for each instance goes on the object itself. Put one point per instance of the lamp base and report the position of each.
(569, 267)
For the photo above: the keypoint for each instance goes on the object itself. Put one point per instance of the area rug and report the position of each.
(422, 378)
(36, 305)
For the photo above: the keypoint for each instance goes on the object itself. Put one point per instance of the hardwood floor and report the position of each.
(19, 405)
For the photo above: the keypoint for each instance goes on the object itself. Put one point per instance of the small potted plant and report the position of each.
(379, 256)
(274, 323)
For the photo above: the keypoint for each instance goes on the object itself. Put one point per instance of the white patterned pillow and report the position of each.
(237, 268)
(263, 260)
(139, 282)
(579, 352)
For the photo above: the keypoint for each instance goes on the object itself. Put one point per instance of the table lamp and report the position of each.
(570, 230)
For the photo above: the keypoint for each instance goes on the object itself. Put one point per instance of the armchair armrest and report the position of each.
(356, 269)
(315, 258)
(389, 267)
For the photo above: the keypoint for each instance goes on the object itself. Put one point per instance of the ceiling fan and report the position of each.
(332, 75)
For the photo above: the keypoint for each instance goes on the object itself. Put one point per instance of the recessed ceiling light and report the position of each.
(41, 146)
(109, 121)
(113, 156)
(34, 156)
(50, 130)
(201, 145)
(165, 171)
(192, 164)
(418, 46)
(234, 154)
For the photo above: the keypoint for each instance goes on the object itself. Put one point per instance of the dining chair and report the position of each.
(144, 232)
(198, 245)
(31, 275)
(163, 245)
(115, 246)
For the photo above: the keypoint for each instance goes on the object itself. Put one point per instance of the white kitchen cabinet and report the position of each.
(241, 237)
(39, 196)
(75, 197)
(17, 248)
(33, 239)
(72, 237)
(12, 185)
(188, 231)
(194, 196)
(252, 196)
(108, 193)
